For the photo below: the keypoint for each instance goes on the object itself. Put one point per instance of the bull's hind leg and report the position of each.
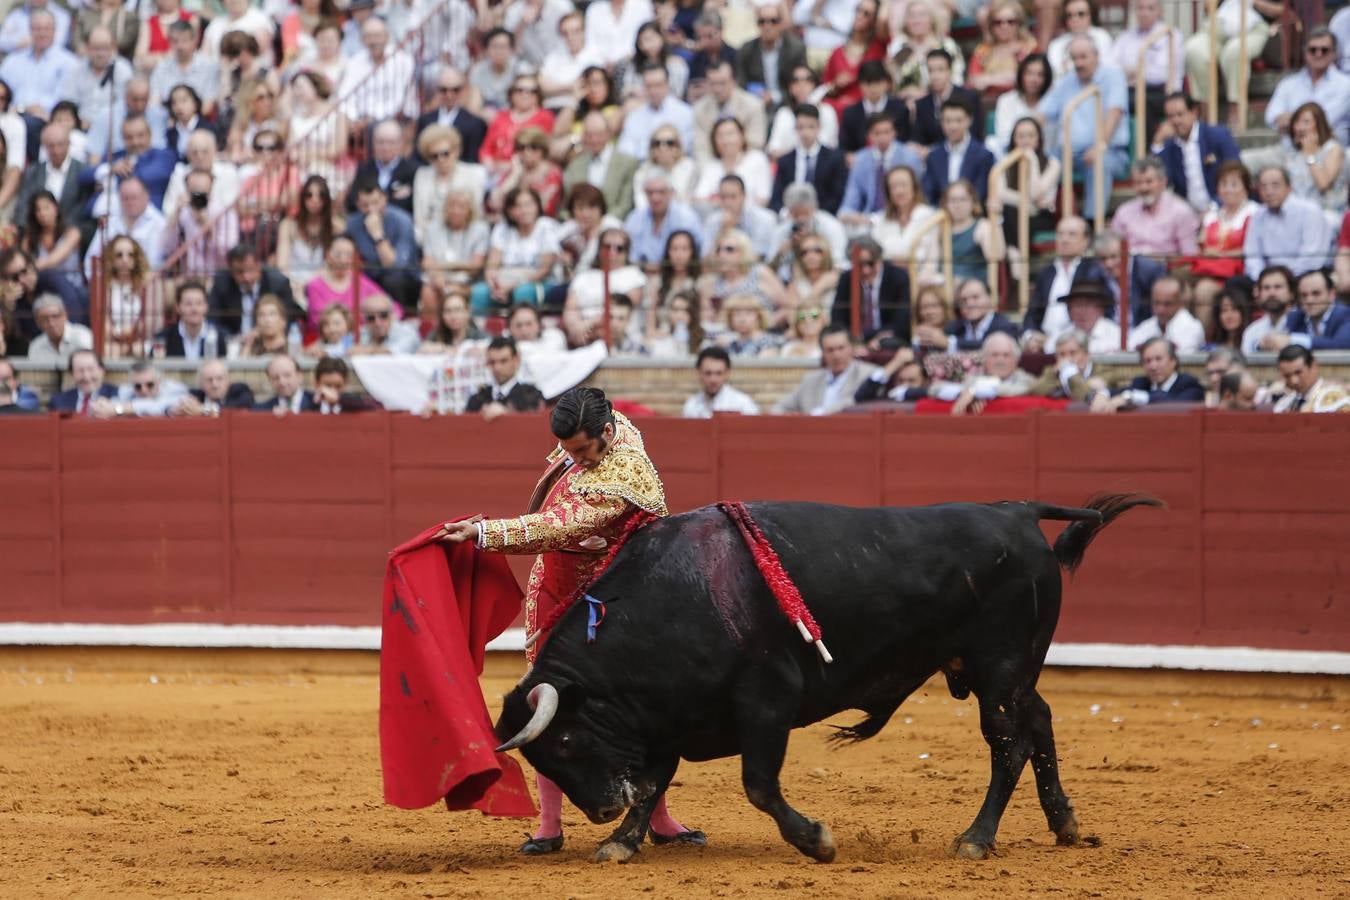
(1056, 804)
(1002, 722)
(764, 711)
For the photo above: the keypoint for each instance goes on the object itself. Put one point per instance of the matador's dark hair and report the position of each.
(582, 408)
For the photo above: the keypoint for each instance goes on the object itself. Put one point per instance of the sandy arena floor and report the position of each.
(254, 774)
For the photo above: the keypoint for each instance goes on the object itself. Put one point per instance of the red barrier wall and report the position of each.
(250, 519)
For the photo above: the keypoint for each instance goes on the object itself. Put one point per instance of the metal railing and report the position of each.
(1141, 137)
(1093, 93)
(997, 180)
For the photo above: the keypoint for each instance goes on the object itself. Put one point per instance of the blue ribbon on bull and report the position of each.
(595, 614)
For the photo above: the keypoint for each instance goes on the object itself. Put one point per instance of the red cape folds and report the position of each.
(995, 407)
(442, 604)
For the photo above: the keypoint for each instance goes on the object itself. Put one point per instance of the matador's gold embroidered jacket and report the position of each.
(583, 510)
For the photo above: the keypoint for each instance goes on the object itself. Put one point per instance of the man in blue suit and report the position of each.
(865, 192)
(1320, 323)
(1161, 382)
(811, 162)
(153, 166)
(1194, 147)
(1143, 273)
(86, 370)
(958, 156)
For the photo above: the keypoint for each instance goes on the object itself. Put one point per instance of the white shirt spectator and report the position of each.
(830, 230)
(166, 398)
(375, 92)
(641, 123)
(1184, 331)
(147, 230)
(403, 338)
(588, 289)
(75, 337)
(523, 251)
(1058, 52)
(14, 31)
(1253, 333)
(254, 22)
(613, 36)
(537, 40)
(728, 400)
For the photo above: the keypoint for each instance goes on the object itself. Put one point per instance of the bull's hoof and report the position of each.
(968, 849)
(824, 849)
(615, 851)
(1066, 835)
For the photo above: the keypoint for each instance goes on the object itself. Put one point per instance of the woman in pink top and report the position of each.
(333, 284)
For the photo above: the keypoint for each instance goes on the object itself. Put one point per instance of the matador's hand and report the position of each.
(456, 532)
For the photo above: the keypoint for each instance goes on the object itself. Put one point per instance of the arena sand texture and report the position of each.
(248, 773)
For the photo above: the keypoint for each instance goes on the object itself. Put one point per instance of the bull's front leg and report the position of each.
(623, 844)
(764, 711)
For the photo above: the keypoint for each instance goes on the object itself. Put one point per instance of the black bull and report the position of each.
(695, 661)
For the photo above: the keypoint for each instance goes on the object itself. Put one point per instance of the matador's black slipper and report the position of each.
(693, 838)
(538, 846)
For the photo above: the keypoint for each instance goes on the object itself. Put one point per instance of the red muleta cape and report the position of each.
(442, 604)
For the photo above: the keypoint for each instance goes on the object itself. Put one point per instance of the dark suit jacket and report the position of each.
(750, 64)
(400, 185)
(226, 301)
(471, 130)
(1088, 270)
(1216, 148)
(523, 398)
(853, 124)
(237, 396)
(66, 401)
(700, 61)
(154, 168)
(957, 329)
(975, 166)
(927, 127)
(71, 199)
(1335, 327)
(894, 301)
(829, 178)
(1186, 389)
(173, 342)
(307, 403)
(171, 137)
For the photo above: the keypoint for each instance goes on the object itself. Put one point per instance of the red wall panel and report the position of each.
(257, 520)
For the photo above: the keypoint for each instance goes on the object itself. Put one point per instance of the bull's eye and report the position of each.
(564, 744)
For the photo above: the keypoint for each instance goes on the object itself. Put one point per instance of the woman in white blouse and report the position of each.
(1077, 20)
(665, 154)
(1043, 173)
(456, 245)
(1033, 82)
(732, 155)
(522, 252)
(439, 145)
(894, 227)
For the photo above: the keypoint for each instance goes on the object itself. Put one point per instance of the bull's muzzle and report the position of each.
(543, 699)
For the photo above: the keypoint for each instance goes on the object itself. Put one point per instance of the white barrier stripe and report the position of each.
(337, 637)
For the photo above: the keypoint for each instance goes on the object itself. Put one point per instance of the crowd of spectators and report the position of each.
(759, 178)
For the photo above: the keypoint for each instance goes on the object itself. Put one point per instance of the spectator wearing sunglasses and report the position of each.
(148, 393)
(449, 112)
(382, 333)
(585, 305)
(1320, 82)
(770, 58)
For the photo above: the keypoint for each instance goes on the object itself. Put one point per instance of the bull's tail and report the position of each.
(1100, 510)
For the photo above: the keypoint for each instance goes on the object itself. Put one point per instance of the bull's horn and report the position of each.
(544, 701)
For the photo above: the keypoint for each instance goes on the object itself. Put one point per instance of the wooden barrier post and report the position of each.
(855, 294)
(1123, 280)
(1141, 138)
(1093, 93)
(1212, 9)
(942, 221)
(1021, 159)
(1244, 69)
(604, 288)
(98, 300)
